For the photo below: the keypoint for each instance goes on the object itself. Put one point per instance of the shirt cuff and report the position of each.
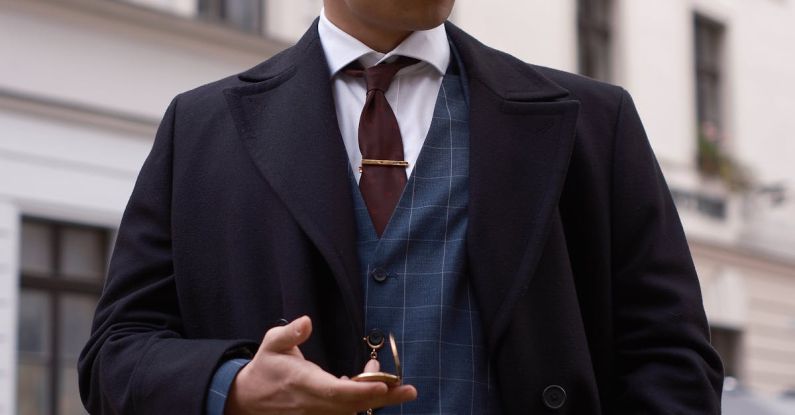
(221, 383)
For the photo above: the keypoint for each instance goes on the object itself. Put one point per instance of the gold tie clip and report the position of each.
(387, 163)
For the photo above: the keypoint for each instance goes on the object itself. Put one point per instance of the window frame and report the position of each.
(216, 11)
(709, 67)
(595, 38)
(55, 285)
(728, 342)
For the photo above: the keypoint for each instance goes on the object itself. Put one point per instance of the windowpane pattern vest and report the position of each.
(415, 277)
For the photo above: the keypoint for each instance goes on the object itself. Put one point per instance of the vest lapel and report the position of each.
(521, 137)
(287, 121)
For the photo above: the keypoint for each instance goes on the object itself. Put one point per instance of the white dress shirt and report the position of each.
(412, 94)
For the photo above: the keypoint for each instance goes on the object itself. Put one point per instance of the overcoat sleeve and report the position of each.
(664, 362)
(137, 360)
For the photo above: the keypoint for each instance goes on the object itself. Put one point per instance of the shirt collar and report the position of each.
(429, 46)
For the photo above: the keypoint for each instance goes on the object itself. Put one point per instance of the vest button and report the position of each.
(554, 396)
(379, 274)
(375, 339)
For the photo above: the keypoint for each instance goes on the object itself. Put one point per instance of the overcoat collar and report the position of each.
(521, 136)
(285, 115)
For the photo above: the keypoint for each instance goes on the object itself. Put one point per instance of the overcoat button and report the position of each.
(375, 339)
(379, 274)
(280, 322)
(554, 396)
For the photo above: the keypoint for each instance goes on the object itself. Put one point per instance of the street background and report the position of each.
(83, 84)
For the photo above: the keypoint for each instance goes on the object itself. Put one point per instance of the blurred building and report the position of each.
(83, 84)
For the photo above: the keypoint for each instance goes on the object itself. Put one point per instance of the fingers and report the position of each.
(284, 339)
(278, 380)
(357, 395)
(395, 396)
(326, 386)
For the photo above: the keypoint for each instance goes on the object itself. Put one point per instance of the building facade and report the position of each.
(83, 84)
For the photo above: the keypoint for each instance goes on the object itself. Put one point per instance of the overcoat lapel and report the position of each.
(287, 121)
(521, 137)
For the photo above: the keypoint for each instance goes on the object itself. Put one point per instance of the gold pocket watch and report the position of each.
(389, 378)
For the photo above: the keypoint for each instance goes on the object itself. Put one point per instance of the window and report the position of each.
(245, 15)
(727, 342)
(595, 33)
(708, 47)
(709, 71)
(711, 206)
(63, 268)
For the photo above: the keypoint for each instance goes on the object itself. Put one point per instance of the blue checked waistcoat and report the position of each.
(426, 299)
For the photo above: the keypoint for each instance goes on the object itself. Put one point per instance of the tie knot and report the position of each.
(379, 77)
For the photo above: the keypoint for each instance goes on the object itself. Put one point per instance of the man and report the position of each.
(390, 174)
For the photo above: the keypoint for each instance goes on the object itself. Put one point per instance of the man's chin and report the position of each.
(423, 25)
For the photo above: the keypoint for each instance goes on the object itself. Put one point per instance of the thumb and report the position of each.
(372, 366)
(284, 339)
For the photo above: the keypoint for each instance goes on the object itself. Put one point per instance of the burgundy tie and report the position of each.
(383, 166)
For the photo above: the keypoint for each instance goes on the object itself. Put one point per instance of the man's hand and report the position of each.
(280, 381)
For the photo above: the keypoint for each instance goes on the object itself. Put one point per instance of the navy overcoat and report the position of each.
(242, 215)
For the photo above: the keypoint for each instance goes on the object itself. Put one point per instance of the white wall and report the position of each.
(654, 61)
(287, 20)
(762, 61)
(108, 63)
(97, 60)
(56, 168)
(181, 7)
(655, 64)
(536, 31)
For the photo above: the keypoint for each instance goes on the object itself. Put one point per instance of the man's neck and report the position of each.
(377, 38)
